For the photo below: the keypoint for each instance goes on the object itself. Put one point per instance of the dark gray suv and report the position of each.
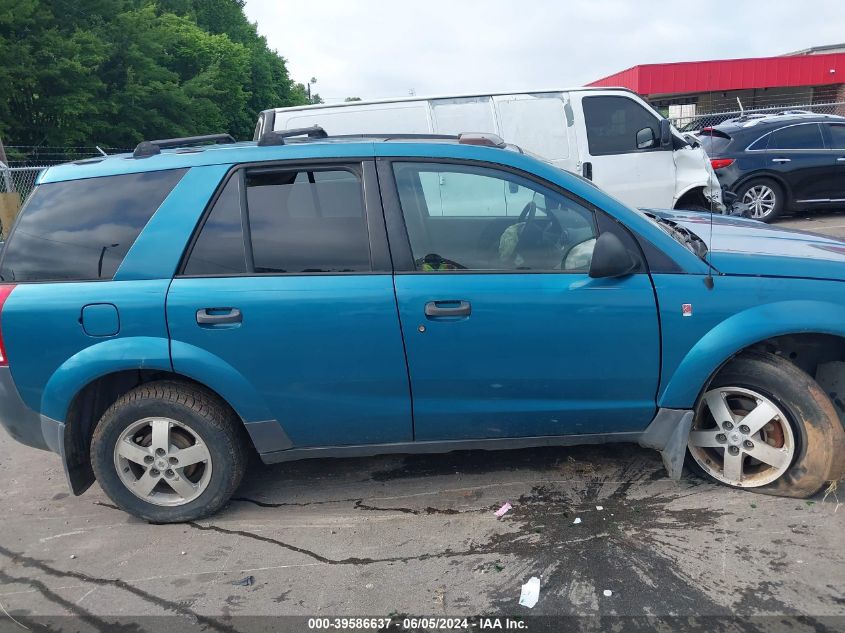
(781, 162)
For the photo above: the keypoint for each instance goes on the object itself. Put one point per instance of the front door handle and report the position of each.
(841, 159)
(587, 170)
(781, 160)
(219, 316)
(435, 309)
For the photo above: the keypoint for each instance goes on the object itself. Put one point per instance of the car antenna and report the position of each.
(708, 280)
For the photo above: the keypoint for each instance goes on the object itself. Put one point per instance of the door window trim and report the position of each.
(399, 238)
(364, 168)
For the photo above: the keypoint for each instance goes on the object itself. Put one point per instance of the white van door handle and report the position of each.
(781, 160)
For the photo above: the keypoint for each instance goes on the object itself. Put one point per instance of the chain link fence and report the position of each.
(696, 122)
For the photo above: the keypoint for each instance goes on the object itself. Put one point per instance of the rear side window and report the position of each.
(219, 249)
(307, 221)
(807, 136)
(299, 221)
(613, 122)
(837, 136)
(81, 230)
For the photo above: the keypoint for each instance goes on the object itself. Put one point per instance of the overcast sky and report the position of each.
(384, 48)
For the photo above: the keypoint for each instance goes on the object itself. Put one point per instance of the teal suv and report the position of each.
(163, 314)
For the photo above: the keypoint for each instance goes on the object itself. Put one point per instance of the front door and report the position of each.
(288, 288)
(610, 156)
(505, 332)
(797, 153)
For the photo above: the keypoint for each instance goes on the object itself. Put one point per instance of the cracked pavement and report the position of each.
(417, 535)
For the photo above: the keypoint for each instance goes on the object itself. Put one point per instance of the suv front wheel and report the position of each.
(168, 452)
(765, 424)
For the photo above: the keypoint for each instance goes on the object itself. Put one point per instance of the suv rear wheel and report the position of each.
(766, 425)
(168, 452)
(765, 198)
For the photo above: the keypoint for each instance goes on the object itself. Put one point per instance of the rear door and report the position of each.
(797, 153)
(506, 333)
(288, 281)
(607, 143)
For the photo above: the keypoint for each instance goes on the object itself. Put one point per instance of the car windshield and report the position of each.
(680, 234)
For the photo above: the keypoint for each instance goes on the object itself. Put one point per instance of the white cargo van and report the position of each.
(610, 135)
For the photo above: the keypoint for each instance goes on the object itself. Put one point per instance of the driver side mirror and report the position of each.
(645, 138)
(611, 258)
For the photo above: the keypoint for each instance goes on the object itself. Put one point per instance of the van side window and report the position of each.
(466, 217)
(81, 230)
(307, 221)
(613, 122)
(219, 248)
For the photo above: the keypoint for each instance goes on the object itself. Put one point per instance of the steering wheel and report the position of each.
(552, 236)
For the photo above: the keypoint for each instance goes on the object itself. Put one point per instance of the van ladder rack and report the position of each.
(145, 149)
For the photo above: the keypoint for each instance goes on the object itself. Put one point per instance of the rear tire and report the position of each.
(765, 198)
(169, 452)
(779, 414)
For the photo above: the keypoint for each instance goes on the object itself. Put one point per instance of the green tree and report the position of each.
(113, 72)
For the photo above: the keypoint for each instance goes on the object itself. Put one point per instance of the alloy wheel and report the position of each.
(761, 200)
(741, 438)
(162, 461)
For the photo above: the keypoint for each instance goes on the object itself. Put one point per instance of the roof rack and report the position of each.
(145, 149)
(316, 132)
(278, 137)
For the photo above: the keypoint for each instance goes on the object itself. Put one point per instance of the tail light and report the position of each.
(5, 291)
(721, 163)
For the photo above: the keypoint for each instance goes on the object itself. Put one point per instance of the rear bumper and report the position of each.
(23, 424)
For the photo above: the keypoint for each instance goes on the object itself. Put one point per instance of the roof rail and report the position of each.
(481, 138)
(145, 149)
(278, 137)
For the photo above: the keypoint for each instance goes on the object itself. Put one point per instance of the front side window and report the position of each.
(81, 230)
(808, 136)
(613, 123)
(299, 221)
(465, 217)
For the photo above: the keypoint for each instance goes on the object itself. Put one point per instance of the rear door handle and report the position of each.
(435, 309)
(841, 160)
(781, 160)
(219, 316)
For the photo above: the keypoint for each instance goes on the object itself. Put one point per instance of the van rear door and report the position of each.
(607, 124)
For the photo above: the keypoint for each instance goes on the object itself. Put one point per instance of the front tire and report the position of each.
(766, 425)
(168, 452)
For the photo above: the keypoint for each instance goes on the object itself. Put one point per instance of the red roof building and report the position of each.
(800, 79)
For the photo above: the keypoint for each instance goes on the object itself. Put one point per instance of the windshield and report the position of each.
(680, 234)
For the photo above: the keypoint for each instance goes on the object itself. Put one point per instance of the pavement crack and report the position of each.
(19, 558)
(359, 504)
(352, 560)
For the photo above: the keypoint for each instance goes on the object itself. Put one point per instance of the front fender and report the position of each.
(740, 331)
(95, 361)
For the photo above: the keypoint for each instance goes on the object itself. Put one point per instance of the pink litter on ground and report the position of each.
(501, 511)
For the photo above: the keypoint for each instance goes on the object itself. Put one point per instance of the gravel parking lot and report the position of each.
(417, 535)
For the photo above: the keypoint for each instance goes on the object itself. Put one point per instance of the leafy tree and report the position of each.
(112, 72)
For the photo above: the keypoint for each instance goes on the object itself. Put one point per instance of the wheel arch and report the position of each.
(783, 328)
(765, 174)
(694, 194)
(86, 385)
